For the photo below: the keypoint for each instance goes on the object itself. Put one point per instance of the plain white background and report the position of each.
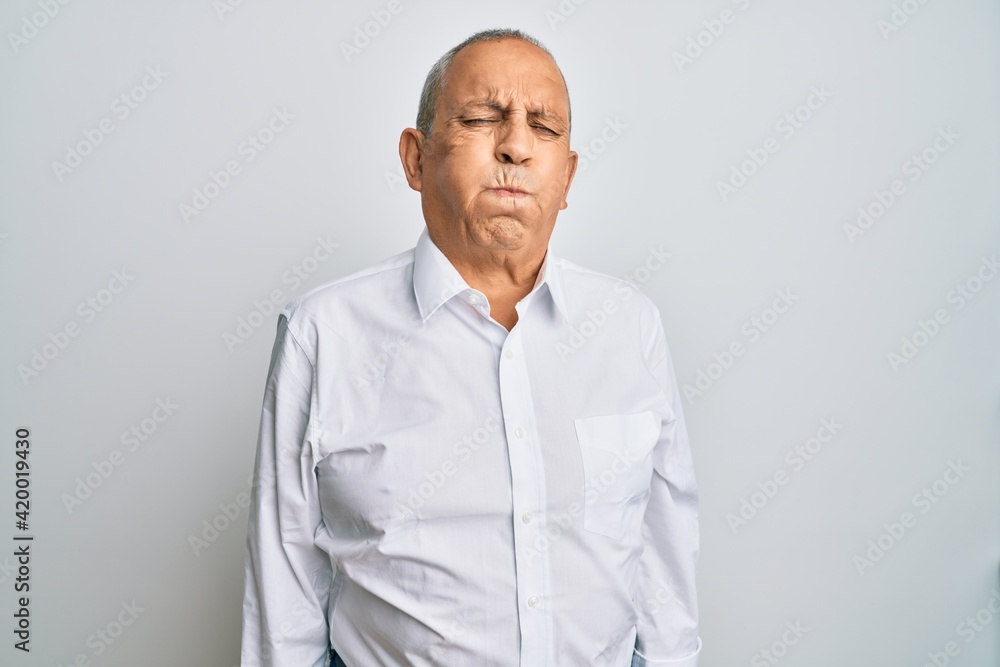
(669, 99)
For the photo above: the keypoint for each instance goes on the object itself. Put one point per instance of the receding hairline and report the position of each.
(437, 77)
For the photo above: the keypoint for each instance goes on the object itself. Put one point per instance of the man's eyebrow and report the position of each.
(541, 111)
(545, 113)
(492, 105)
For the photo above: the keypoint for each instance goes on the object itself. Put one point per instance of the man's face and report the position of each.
(496, 168)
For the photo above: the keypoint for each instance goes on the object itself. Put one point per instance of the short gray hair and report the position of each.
(435, 78)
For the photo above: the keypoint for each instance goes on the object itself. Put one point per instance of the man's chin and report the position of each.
(502, 231)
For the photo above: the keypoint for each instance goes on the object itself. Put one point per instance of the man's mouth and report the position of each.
(509, 192)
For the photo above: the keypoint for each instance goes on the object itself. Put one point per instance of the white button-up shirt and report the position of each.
(431, 489)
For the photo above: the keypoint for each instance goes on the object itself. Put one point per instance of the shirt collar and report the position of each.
(436, 280)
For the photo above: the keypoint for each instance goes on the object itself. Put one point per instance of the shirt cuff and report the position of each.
(690, 660)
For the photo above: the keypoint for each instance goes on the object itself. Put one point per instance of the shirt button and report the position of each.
(526, 517)
(509, 353)
(533, 601)
(473, 299)
(519, 432)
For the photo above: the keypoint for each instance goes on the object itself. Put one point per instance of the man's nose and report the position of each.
(514, 141)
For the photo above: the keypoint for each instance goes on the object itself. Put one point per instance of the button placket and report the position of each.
(527, 491)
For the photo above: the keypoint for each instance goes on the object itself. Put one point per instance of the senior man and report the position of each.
(473, 453)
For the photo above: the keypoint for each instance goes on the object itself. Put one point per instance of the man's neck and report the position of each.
(504, 276)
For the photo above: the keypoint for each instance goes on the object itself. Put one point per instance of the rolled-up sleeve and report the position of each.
(286, 576)
(666, 598)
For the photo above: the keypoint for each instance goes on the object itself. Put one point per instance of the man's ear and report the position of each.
(411, 150)
(571, 164)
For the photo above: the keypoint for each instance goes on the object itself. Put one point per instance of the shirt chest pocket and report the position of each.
(617, 464)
